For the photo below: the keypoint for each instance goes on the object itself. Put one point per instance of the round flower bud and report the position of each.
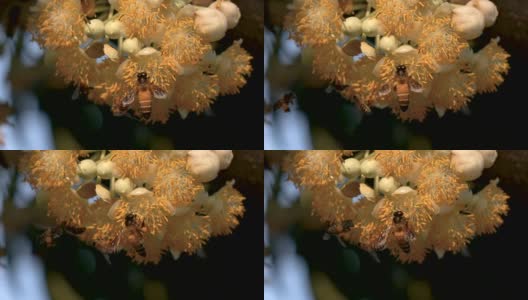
(204, 165)
(352, 26)
(123, 186)
(488, 10)
(225, 157)
(87, 169)
(489, 157)
(351, 168)
(105, 169)
(467, 164)
(388, 43)
(210, 24)
(404, 190)
(131, 46)
(370, 168)
(230, 11)
(387, 185)
(95, 29)
(405, 49)
(371, 27)
(468, 22)
(114, 29)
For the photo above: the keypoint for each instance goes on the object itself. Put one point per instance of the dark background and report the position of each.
(495, 120)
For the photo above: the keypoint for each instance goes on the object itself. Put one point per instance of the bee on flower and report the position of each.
(409, 202)
(142, 202)
(410, 56)
(144, 59)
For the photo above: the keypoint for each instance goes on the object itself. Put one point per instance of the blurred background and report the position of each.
(321, 120)
(46, 117)
(303, 266)
(72, 270)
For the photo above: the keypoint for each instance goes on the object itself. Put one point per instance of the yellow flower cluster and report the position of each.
(361, 45)
(103, 48)
(142, 202)
(409, 202)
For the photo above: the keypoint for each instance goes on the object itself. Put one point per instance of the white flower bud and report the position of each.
(488, 10)
(230, 11)
(405, 49)
(114, 29)
(371, 27)
(468, 22)
(368, 50)
(370, 168)
(95, 29)
(387, 185)
(225, 157)
(131, 46)
(388, 43)
(112, 53)
(123, 186)
(403, 191)
(147, 51)
(352, 26)
(204, 165)
(87, 169)
(105, 169)
(489, 157)
(351, 168)
(210, 24)
(467, 164)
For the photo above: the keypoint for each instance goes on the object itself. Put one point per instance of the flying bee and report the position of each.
(51, 234)
(143, 92)
(401, 231)
(134, 230)
(285, 102)
(336, 229)
(402, 87)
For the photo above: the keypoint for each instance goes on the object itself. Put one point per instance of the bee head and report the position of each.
(142, 77)
(401, 69)
(397, 216)
(130, 219)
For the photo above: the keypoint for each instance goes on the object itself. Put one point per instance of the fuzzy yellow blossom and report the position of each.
(141, 202)
(428, 38)
(415, 204)
(104, 54)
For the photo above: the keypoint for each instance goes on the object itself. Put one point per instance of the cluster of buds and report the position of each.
(408, 55)
(409, 202)
(148, 57)
(142, 202)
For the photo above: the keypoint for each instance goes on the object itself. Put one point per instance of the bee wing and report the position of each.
(415, 86)
(382, 240)
(158, 92)
(385, 90)
(129, 98)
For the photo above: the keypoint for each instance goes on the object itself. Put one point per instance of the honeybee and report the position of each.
(401, 231)
(134, 230)
(337, 228)
(285, 102)
(51, 234)
(402, 87)
(144, 92)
